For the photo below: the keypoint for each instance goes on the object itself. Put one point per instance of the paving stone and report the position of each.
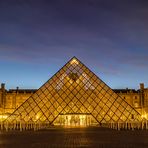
(74, 138)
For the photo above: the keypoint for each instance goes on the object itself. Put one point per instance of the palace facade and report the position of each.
(74, 94)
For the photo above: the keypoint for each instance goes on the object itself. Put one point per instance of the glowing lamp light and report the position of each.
(144, 116)
(71, 81)
(37, 117)
(2, 117)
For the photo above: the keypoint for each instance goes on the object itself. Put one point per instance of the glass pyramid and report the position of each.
(74, 90)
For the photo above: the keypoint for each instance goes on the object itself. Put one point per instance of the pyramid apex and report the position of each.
(74, 60)
(74, 57)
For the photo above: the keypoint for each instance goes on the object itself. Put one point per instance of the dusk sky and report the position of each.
(37, 37)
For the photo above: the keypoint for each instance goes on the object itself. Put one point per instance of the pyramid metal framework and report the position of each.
(74, 89)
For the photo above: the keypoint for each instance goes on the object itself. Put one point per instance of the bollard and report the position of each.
(39, 126)
(20, 126)
(132, 124)
(146, 125)
(34, 128)
(118, 126)
(126, 125)
(7, 126)
(142, 125)
(114, 126)
(1, 126)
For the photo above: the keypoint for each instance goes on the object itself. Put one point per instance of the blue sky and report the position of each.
(37, 37)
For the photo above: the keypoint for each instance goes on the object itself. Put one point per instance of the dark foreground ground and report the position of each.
(74, 138)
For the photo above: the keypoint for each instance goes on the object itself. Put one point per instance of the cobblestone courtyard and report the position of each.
(76, 137)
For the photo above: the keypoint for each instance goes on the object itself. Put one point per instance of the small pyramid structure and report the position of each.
(74, 89)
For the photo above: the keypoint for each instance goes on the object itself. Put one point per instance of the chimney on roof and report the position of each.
(3, 95)
(17, 88)
(3, 86)
(141, 86)
(142, 94)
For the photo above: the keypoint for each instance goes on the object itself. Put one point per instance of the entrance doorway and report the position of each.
(74, 120)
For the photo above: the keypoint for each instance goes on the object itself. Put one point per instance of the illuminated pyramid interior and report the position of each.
(74, 95)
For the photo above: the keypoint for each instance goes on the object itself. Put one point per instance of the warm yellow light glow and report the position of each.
(144, 116)
(74, 61)
(2, 117)
(37, 117)
(71, 81)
